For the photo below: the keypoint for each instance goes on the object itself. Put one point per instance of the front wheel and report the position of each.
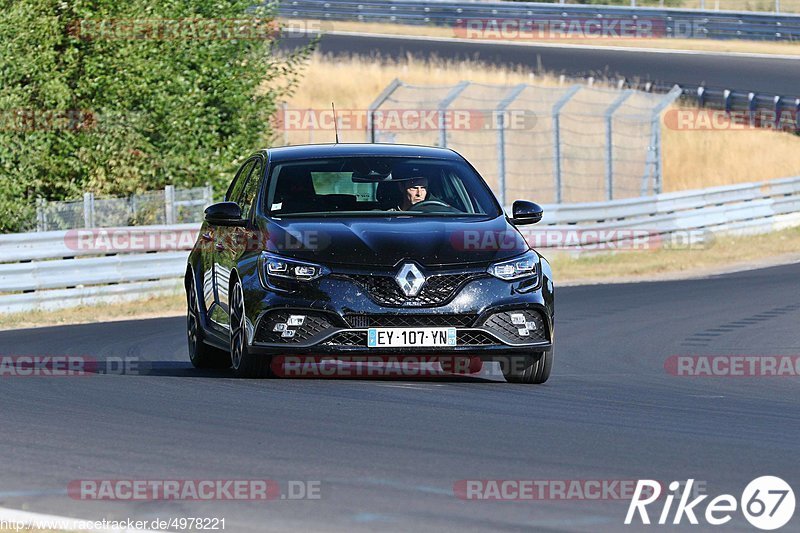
(529, 368)
(244, 364)
(200, 354)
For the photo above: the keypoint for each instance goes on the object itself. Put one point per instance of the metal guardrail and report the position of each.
(684, 23)
(50, 271)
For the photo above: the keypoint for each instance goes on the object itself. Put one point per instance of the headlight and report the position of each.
(276, 266)
(524, 266)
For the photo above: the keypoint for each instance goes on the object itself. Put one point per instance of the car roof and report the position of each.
(313, 151)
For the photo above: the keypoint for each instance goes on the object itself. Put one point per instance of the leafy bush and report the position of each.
(119, 113)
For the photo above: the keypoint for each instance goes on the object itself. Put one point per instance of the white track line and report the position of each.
(46, 521)
(667, 51)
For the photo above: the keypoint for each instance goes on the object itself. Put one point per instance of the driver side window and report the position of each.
(235, 190)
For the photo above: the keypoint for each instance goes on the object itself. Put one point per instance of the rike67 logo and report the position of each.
(767, 502)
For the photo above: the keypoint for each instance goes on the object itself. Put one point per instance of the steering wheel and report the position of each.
(433, 206)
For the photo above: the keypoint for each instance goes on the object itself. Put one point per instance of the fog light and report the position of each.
(296, 320)
(517, 318)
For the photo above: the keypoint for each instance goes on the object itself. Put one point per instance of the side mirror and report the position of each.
(524, 212)
(224, 214)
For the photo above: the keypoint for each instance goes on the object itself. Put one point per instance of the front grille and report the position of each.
(438, 289)
(409, 321)
(502, 324)
(313, 325)
(463, 338)
(348, 338)
(475, 338)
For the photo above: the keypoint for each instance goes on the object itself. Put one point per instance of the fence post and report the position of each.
(208, 195)
(500, 111)
(385, 94)
(88, 210)
(443, 105)
(654, 151)
(169, 203)
(41, 222)
(609, 142)
(557, 139)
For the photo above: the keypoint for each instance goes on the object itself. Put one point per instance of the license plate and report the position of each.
(405, 337)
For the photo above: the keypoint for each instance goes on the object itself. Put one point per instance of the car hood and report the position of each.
(387, 241)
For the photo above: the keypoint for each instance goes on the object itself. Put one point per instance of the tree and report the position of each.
(122, 97)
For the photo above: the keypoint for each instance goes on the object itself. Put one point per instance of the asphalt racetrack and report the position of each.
(387, 454)
(766, 75)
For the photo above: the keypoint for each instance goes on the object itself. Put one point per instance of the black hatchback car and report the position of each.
(345, 250)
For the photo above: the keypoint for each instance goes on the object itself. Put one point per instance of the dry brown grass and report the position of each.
(699, 159)
(145, 308)
(706, 45)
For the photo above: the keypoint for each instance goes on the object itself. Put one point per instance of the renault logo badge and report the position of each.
(410, 279)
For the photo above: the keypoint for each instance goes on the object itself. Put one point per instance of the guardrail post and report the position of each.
(88, 210)
(442, 109)
(726, 98)
(609, 116)
(778, 110)
(169, 203)
(751, 107)
(41, 221)
(500, 111)
(557, 139)
(378, 102)
(796, 117)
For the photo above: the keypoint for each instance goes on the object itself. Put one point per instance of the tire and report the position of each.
(200, 354)
(244, 364)
(533, 369)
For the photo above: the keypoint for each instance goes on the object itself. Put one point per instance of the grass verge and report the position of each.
(146, 308)
(726, 253)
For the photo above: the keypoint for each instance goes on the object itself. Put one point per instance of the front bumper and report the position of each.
(338, 312)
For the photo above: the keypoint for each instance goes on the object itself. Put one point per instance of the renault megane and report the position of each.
(375, 249)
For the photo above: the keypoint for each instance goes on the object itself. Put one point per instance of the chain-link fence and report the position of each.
(552, 144)
(170, 206)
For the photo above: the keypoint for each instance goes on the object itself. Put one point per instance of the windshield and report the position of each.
(370, 186)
